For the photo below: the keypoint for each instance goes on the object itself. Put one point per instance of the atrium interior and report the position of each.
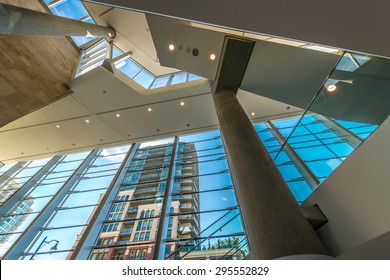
(172, 134)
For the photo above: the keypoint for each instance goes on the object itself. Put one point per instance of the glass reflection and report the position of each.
(202, 192)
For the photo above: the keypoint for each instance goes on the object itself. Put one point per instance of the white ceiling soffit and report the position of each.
(186, 39)
(287, 74)
(36, 135)
(259, 108)
(132, 34)
(116, 113)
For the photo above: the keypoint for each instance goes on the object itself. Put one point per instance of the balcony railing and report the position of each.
(132, 209)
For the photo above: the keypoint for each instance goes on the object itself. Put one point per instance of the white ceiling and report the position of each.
(186, 38)
(99, 95)
(286, 73)
(132, 34)
(35, 135)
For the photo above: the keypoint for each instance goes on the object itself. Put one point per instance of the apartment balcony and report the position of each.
(187, 198)
(126, 231)
(147, 191)
(187, 219)
(188, 208)
(154, 160)
(132, 210)
(186, 189)
(142, 200)
(187, 230)
(123, 242)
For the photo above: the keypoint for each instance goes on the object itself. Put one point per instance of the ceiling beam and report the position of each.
(235, 56)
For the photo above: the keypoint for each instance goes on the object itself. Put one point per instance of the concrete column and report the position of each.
(17, 20)
(274, 223)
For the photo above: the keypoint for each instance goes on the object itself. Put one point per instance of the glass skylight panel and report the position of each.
(179, 78)
(193, 77)
(116, 52)
(144, 78)
(128, 67)
(73, 9)
(160, 82)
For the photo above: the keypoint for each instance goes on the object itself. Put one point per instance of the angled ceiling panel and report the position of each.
(193, 46)
(287, 74)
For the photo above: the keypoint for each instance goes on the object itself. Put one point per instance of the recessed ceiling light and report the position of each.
(87, 121)
(331, 87)
(58, 126)
(149, 109)
(182, 103)
(212, 56)
(253, 113)
(171, 47)
(118, 115)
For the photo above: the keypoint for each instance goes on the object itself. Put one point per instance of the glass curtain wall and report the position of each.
(131, 226)
(29, 206)
(342, 115)
(204, 219)
(316, 146)
(19, 178)
(68, 221)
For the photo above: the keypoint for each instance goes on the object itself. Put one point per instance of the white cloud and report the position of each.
(224, 198)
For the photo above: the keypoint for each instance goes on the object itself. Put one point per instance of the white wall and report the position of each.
(355, 198)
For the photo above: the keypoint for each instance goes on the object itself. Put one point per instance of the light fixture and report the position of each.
(87, 121)
(118, 115)
(58, 126)
(212, 56)
(331, 87)
(253, 113)
(182, 103)
(149, 109)
(43, 243)
(171, 47)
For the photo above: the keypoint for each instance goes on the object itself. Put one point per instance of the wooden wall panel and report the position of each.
(33, 69)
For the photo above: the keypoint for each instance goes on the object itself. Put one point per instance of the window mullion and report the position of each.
(310, 178)
(18, 195)
(24, 241)
(92, 231)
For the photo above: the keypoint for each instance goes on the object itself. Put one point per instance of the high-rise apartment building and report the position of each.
(133, 221)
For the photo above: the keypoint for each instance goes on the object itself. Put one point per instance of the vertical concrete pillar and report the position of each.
(17, 20)
(274, 223)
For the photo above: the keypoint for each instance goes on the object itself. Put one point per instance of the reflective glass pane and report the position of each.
(5, 168)
(160, 82)
(16, 223)
(45, 190)
(71, 217)
(179, 78)
(35, 204)
(6, 242)
(94, 183)
(70, 9)
(83, 198)
(193, 77)
(128, 67)
(66, 237)
(144, 78)
(38, 162)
